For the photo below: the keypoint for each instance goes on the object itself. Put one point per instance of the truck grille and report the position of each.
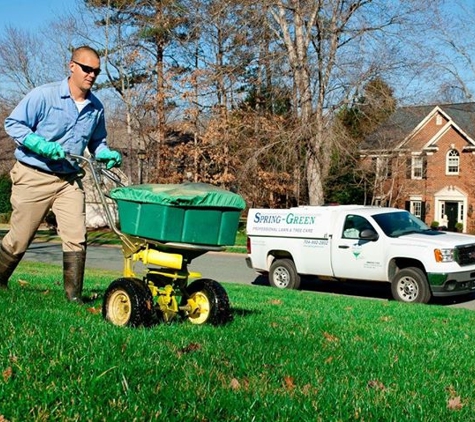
(465, 255)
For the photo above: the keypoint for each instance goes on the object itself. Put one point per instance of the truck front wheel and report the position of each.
(410, 285)
(283, 274)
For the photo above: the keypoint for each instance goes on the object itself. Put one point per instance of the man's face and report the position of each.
(84, 70)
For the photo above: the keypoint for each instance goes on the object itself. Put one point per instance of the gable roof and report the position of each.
(405, 121)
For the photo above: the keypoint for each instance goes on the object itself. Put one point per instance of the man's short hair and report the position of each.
(77, 52)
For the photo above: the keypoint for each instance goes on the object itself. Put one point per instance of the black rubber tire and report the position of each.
(283, 275)
(410, 285)
(128, 302)
(216, 308)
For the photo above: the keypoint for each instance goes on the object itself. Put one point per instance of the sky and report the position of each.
(32, 13)
(36, 14)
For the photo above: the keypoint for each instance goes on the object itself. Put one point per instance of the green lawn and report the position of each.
(287, 356)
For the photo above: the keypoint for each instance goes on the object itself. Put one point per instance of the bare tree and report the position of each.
(332, 48)
(24, 62)
(454, 51)
(138, 42)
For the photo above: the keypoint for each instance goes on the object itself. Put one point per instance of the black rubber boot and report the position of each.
(8, 263)
(73, 275)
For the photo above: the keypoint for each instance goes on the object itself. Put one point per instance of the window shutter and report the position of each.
(424, 167)
(407, 206)
(408, 168)
(390, 168)
(423, 211)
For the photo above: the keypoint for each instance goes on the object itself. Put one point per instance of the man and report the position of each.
(50, 122)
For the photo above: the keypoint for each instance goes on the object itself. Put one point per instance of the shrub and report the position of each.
(434, 225)
(5, 217)
(5, 192)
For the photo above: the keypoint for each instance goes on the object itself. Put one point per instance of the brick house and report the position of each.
(423, 158)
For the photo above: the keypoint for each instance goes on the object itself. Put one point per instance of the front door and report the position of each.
(452, 212)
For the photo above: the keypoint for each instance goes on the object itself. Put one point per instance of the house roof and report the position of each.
(405, 120)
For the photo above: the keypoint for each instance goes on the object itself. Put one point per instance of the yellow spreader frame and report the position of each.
(172, 266)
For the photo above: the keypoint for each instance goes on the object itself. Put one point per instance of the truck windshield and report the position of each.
(399, 223)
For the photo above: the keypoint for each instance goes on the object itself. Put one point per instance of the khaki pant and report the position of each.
(34, 193)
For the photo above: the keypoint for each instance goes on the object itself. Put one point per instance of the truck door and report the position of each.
(356, 258)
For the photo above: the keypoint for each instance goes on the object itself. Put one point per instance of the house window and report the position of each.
(416, 208)
(438, 120)
(417, 168)
(382, 166)
(453, 162)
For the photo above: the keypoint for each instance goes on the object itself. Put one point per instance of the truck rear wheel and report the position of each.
(283, 274)
(410, 285)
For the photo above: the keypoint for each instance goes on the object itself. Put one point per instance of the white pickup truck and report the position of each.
(354, 242)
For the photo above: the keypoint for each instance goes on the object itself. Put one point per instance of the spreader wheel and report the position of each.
(128, 302)
(208, 303)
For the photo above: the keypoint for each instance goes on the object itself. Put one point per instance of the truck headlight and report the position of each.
(444, 255)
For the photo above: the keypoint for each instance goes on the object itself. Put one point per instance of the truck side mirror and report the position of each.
(369, 234)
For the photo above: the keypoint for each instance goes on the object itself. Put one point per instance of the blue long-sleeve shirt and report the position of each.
(50, 112)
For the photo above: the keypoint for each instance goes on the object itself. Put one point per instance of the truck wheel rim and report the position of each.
(408, 289)
(281, 277)
(119, 308)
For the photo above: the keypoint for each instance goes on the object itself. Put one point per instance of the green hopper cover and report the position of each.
(180, 195)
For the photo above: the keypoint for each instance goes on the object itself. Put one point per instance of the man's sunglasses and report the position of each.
(88, 69)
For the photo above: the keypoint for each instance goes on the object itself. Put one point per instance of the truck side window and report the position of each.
(354, 225)
(349, 229)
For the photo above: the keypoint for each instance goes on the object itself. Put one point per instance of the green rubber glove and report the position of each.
(42, 147)
(111, 158)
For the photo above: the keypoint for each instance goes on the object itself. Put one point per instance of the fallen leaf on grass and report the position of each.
(192, 347)
(329, 359)
(234, 384)
(276, 302)
(3, 419)
(454, 403)
(289, 383)
(330, 337)
(377, 385)
(7, 374)
(386, 318)
(23, 282)
(46, 292)
(95, 311)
